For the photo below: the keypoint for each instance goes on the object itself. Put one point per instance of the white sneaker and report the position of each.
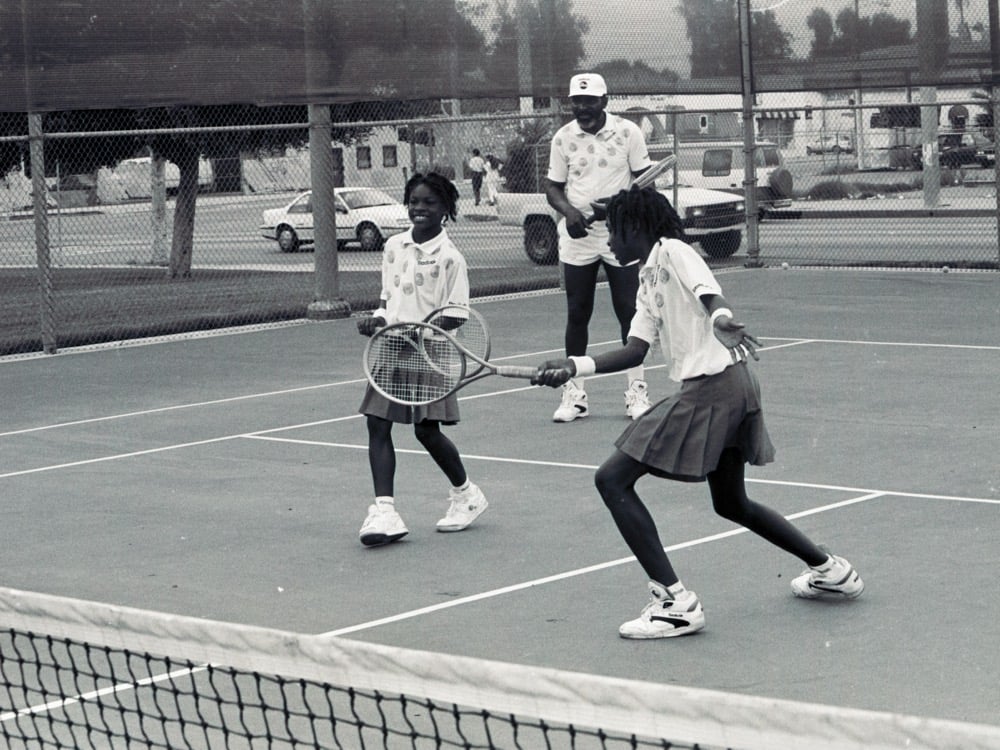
(664, 617)
(840, 580)
(465, 508)
(636, 399)
(382, 526)
(573, 404)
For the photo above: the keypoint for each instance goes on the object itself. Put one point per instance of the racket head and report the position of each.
(413, 364)
(469, 329)
(648, 178)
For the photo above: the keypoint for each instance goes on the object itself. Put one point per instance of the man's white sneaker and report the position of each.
(465, 508)
(382, 526)
(636, 399)
(573, 404)
(838, 579)
(664, 617)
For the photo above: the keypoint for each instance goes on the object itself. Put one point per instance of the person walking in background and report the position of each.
(590, 158)
(421, 270)
(492, 179)
(709, 429)
(477, 167)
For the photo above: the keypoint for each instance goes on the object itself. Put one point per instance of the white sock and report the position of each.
(464, 487)
(827, 566)
(577, 382)
(636, 373)
(385, 501)
(676, 591)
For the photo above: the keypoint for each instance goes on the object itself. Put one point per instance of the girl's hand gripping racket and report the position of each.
(419, 363)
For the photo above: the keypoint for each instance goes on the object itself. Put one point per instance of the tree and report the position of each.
(821, 25)
(714, 31)
(556, 44)
(768, 40)
(851, 35)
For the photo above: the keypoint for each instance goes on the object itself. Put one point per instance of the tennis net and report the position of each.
(77, 674)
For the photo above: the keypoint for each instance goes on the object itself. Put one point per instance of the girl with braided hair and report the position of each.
(708, 430)
(421, 270)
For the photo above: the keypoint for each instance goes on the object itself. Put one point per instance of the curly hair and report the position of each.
(646, 209)
(441, 186)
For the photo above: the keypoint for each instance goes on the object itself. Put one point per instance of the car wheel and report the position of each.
(370, 238)
(721, 245)
(288, 240)
(541, 241)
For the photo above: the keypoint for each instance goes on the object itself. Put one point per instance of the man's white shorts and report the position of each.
(586, 250)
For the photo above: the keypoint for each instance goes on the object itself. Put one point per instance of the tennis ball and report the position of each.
(784, 266)
(945, 269)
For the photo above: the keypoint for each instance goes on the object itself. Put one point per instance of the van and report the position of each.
(720, 165)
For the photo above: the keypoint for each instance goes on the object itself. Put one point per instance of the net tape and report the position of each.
(220, 689)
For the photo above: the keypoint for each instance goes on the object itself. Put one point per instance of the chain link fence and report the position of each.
(161, 230)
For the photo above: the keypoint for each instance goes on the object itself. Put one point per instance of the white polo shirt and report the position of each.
(669, 310)
(417, 278)
(597, 165)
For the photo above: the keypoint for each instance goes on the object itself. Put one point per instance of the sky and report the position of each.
(654, 31)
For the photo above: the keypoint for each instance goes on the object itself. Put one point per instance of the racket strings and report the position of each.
(413, 363)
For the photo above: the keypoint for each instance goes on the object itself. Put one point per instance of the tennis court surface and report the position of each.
(199, 498)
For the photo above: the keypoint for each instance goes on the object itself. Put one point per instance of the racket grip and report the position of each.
(515, 371)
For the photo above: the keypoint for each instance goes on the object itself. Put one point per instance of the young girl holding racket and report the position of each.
(708, 430)
(421, 270)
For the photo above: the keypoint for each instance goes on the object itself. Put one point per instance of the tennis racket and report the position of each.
(415, 364)
(468, 328)
(646, 179)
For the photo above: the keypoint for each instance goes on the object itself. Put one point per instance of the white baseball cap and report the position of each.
(587, 84)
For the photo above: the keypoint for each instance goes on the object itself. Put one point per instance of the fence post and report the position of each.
(43, 260)
(749, 140)
(326, 302)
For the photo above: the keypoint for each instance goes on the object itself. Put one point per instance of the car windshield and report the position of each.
(366, 197)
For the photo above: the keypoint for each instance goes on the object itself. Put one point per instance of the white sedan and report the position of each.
(366, 216)
(832, 144)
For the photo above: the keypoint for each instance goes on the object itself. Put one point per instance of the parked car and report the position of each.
(365, 216)
(986, 154)
(956, 150)
(831, 144)
(719, 165)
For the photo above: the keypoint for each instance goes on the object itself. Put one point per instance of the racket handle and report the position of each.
(515, 371)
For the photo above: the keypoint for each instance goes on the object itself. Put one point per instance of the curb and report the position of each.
(879, 213)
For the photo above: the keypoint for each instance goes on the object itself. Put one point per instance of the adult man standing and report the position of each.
(591, 158)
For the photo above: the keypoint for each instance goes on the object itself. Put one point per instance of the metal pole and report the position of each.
(42, 255)
(749, 167)
(994, 23)
(326, 302)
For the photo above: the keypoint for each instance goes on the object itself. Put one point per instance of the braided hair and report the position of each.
(441, 186)
(646, 209)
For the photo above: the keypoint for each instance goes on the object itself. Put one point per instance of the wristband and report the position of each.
(584, 366)
(720, 312)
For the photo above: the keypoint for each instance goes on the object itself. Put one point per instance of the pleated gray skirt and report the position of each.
(377, 405)
(683, 436)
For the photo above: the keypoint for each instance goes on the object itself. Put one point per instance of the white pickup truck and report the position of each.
(712, 218)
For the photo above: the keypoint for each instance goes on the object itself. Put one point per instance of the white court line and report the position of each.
(270, 394)
(594, 467)
(577, 572)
